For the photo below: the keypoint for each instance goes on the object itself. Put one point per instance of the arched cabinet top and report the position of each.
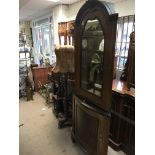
(107, 10)
(95, 35)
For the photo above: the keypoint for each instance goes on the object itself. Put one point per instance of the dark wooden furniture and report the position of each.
(66, 30)
(62, 32)
(129, 70)
(25, 86)
(40, 75)
(95, 33)
(90, 126)
(70, 31)
(63, 81)
(62, 98)
(131, 62)
(122, 126)
(29, 89)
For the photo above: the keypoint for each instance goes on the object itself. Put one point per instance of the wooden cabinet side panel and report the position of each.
(122, 127)
(91, 129)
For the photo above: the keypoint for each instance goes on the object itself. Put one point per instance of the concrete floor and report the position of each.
(39, 133)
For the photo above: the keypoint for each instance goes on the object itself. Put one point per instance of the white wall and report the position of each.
(67, 13)
(73, 10)
(125, 8)
(59, 15)
(64, 13)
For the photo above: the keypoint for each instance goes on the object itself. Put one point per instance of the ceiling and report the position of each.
(31, 9)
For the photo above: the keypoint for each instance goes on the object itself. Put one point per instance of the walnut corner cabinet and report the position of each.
(95, 34)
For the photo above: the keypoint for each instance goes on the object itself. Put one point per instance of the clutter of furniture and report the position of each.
(25, 85)
(22, 80)
(25, 59)
(81, 91)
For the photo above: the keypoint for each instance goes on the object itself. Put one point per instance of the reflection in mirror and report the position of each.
(92, 50)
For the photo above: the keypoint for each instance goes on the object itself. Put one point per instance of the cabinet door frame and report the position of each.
(102, 127)
(108, 23)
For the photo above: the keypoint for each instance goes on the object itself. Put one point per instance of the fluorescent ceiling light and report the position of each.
(54, 0)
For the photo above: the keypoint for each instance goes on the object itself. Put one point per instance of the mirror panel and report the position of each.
(92, 49)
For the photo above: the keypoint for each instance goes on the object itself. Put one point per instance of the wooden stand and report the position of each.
(63, 80)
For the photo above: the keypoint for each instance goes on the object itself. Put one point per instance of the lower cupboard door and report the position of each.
(91, 127)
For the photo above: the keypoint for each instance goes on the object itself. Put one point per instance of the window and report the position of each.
(44, 40)
(125, 26)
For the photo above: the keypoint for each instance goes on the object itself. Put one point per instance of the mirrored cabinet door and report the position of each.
(92, 52)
